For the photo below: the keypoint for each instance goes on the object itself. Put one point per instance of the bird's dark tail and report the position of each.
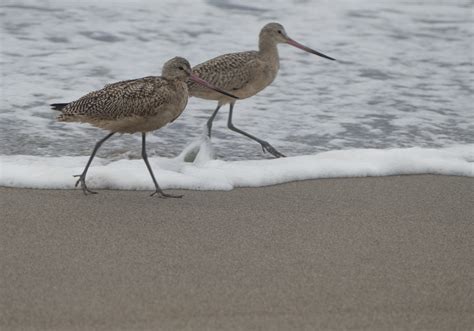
(58, 106)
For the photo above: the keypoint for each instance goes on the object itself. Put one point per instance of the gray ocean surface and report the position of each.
(404, 75)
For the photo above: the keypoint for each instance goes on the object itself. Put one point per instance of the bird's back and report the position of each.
(230, 72)
(130, 101)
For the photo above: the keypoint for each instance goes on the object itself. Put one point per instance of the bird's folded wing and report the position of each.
(137, 97)
(229, 72)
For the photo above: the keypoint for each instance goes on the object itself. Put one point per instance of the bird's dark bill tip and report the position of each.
(309, 50)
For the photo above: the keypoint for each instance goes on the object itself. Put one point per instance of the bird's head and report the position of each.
(176, 68)
(275, 33)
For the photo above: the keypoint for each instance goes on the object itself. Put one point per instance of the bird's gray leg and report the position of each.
(82, 177)
(266, 147)
(209, 121)
(157, 187)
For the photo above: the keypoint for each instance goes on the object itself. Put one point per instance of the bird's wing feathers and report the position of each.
(140, 97)
(229, 71)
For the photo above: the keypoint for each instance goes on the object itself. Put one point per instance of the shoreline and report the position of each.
(350, 253)
(206, 173)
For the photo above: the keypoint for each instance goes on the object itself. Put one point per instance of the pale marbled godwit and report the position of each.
(245, 74)
(138, 105)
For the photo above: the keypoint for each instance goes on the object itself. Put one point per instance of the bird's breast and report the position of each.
(260, 79)
(181, 97)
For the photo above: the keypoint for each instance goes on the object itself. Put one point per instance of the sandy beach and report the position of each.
(356, 253)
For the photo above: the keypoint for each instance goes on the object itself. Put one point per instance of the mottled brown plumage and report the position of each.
(129, 106)
(237, 72)
(138, 105)
(245, 74)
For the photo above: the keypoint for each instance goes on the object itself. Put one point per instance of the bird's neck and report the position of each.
(268, 49)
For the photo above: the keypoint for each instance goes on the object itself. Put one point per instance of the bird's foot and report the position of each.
(266, 147)
(82, 180)
(164, 195)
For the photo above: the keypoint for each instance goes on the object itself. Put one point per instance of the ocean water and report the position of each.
(403, 76)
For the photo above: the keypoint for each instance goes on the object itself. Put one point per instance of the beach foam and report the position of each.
(206, 173)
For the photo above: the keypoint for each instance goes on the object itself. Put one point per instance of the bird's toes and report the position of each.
(163, 195)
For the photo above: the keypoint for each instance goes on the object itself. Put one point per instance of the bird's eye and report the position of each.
(181, 68)
(279, 31)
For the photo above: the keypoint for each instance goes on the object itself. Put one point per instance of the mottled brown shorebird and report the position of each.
(138, 105)
(245, 74)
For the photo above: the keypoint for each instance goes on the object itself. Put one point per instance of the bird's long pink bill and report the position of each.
(206, 84)
(307, 49)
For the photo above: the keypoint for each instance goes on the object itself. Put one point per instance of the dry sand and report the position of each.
(368, 253)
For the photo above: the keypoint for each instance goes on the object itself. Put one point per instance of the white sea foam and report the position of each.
(208, 174)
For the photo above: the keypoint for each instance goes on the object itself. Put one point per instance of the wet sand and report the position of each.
(362, 253)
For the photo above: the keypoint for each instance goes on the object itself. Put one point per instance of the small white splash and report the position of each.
(208, 174)
(198, 152)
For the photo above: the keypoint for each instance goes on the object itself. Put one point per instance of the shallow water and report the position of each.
(403, 76)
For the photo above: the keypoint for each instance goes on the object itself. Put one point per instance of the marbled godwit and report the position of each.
(138, 105)
(245, 74)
